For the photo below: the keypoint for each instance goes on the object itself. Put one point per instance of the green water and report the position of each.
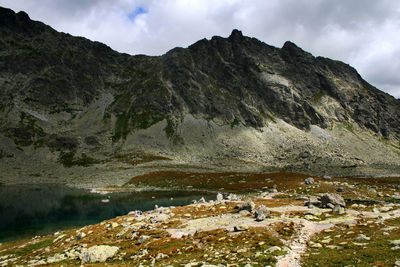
(29, 210)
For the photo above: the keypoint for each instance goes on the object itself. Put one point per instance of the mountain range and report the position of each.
(71, 107)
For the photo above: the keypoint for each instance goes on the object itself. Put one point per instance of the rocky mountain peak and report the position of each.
(236, 35)
(18, 22)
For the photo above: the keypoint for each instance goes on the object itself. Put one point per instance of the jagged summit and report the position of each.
(69, 94)
(236, 35)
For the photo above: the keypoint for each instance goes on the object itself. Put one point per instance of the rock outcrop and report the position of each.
(98, 253)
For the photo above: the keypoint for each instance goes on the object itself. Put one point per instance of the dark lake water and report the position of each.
(29, 210)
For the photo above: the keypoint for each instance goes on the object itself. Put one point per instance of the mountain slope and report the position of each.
(76, 102)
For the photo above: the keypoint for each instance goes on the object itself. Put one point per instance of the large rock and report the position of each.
(247, 205)
(334, 199)
(261, 213)
(312, 201)
(98, 253)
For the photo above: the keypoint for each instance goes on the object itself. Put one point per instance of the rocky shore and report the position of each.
(303, 222)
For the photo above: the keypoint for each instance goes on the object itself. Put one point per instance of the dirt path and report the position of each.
(299, 245)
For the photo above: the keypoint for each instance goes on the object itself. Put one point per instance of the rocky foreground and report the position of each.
(303, 222)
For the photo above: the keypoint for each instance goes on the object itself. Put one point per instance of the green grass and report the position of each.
(317, 96)
(32, 247)
(234, 123)
(349, 127)
(170, 128)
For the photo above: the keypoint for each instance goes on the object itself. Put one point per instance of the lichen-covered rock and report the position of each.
(312, 201)
(56, 258)
(80, 235)
(314, 212)
(362, 237)
(261, 213)
(98, 253)
(247, 205)
(338, 210)
(334, 199)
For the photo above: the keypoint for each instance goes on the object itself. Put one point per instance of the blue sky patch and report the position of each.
(139, 10)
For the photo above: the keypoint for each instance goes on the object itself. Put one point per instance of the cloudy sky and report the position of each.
(363, 33)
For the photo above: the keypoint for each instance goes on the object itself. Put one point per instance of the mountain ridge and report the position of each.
(72, 97)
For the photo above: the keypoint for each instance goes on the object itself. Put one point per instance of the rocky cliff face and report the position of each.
(65, 97)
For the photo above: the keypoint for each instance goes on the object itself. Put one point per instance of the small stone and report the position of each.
(233, 197)
(326, 177)
(315, 212)
(161, 256)
(309, 181)
(220, 197)
(338, 210)
(242, 250)
(340, 189)
(113, 225)
(326, 241)
(310, 217)
(332, 247)
(360, 244)
(330, 206)
(272, 249)
(315, 245)
(202, 200)
(273, 190)
(244, 212)
(372, 190)
(385, 209)
(56, 258)
(80, 235)
(302, 198)
(395, 242)
(240, 228)
(312, 201)
(397, 263)
(143, 238)
(362, 237)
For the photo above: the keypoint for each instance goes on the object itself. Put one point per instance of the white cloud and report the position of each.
(364, 33)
